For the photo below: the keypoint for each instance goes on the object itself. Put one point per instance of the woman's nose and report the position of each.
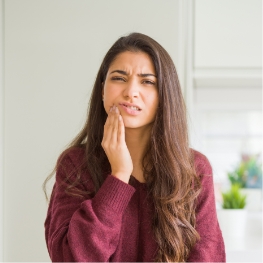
(131, 90)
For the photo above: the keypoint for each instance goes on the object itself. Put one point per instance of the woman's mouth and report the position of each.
(132, 110)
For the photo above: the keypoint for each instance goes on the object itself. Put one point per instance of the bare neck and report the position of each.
(137, 140)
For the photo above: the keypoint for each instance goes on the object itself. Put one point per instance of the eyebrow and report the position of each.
(140, 75)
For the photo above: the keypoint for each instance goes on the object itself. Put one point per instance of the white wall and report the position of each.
(1, 126)
(52, 52)
(227, 34)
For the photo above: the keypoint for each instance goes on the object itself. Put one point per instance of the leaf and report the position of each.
(233, 199)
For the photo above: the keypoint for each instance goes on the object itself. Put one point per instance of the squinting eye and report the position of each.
(118, 78)
(148, 82)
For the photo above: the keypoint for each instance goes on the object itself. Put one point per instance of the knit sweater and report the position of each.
(115, 224)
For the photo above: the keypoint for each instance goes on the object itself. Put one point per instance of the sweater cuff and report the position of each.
(114, 193)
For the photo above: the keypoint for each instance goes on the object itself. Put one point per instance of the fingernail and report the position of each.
(110, 109)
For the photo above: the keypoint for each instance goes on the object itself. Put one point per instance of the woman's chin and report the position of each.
(135, 124)
(131, 124)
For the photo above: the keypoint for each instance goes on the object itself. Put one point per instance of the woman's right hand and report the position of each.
(115, 147)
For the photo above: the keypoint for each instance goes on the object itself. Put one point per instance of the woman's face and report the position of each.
(131, 85)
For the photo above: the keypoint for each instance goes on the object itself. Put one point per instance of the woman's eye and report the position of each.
(118, 78)
(148, 82)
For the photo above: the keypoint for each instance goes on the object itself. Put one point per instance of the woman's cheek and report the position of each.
(107, 105)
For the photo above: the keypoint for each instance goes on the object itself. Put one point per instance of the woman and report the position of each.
(129, 188)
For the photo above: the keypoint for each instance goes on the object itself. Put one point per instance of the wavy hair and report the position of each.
(168, 164)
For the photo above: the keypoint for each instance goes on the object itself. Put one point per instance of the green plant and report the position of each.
(238, 176)
(248, 173)
(233, 199)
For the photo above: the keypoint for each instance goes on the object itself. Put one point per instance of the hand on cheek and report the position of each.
(115, 147)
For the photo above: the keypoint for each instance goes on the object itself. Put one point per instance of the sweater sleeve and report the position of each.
(85, 230)
(210, 247)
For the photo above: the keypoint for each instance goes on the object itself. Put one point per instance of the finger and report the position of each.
(108, 117)
(107, 128)
(114, 134)
(111, 115)
(121, 130)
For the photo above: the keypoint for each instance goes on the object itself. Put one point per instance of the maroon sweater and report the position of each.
(115, 225)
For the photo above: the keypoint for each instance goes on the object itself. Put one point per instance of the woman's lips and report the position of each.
(130, 111)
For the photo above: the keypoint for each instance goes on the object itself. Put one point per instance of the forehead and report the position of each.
(133, 61)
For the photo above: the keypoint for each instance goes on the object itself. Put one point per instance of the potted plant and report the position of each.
(232, 216)
(233, 199)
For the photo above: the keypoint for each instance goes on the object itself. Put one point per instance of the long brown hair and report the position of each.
(168, 163)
